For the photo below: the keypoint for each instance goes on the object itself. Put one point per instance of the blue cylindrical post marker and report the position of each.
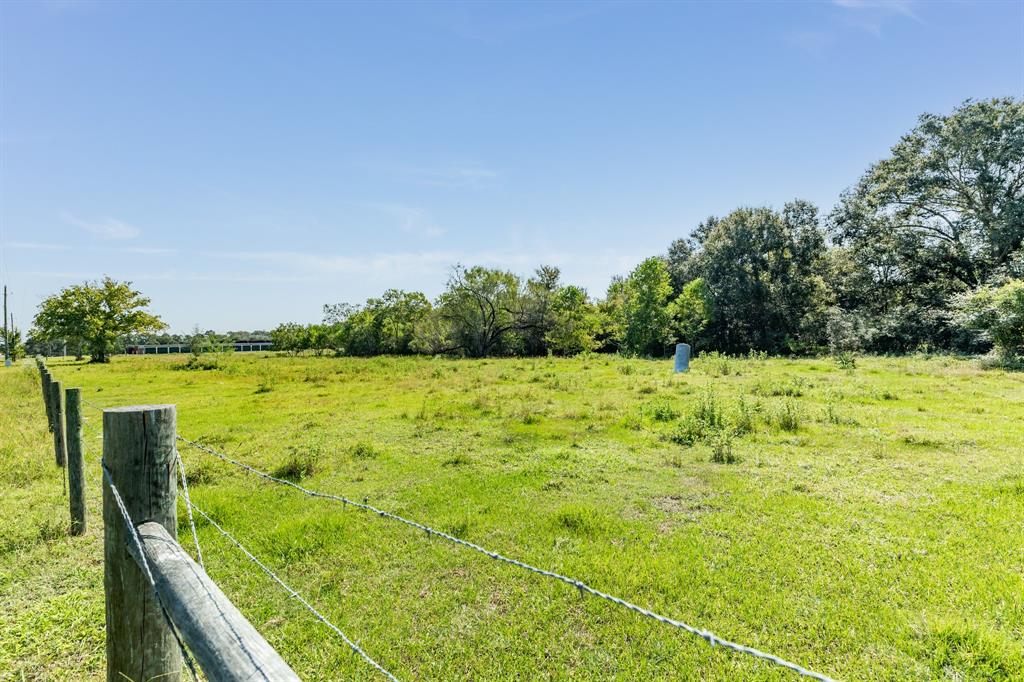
(682, 357)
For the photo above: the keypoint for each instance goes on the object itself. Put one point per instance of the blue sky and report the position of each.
(244, 164)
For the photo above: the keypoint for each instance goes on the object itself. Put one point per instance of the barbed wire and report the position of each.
(134, 534)
(706, 635)
(319, 616)
(188, 506)
(93, 405)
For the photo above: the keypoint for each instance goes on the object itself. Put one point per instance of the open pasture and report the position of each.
(863, 522)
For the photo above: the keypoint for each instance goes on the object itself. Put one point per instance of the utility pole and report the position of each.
(7, 337)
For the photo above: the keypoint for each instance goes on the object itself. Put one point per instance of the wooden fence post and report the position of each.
(76, 459)
(57, 410)
(139, 452)
(44, 375)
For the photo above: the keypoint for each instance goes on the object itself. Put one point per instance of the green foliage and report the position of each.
(997, 314)
(721, 443)
(288, 337)
(691, 310)
(574, 323)
(95, 314)
(11, 346)
(787, 416)
(845, 361)
(705, 419)
(482, 308)
(761, 276)
(942, 214)
(645, 314)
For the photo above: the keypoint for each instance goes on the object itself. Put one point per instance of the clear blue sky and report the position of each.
(244, 164)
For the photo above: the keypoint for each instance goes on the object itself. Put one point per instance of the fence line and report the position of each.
(706, 635)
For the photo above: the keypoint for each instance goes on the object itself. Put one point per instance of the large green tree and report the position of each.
(95, 315)
(761, 281)
(645, 314)
(943, 214)
(574, 322)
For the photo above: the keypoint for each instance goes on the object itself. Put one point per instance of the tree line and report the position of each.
(923, 252)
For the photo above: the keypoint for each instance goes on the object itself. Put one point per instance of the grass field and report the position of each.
(870, 525)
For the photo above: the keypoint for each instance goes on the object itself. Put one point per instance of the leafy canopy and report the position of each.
(95, 314)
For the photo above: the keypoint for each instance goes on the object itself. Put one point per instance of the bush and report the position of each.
(787, 416)
(719, 364)
(365, 450)
(995, 314)
(743, 418)
(299, 466)
(706, 419)
(663, 411)
(845, 360)
(721, 448)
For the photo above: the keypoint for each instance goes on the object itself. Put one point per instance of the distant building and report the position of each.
(167, 348)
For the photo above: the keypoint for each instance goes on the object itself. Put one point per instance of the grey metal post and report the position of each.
(60, 451)
(76, 459)
(138, 450)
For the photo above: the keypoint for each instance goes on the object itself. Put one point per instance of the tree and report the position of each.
(645, 309)
(690, 310)
(482, 307)
(537, 316)
(762, 279)
(95, 314)
(610, 316)
(943, 214)
(383, 325)
(997, 313)
(573, 322)
(287, 337)
(11, 346)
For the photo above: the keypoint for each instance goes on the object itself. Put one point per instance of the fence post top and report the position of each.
(139, 408)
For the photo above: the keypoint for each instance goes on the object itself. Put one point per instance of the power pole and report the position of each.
(7, 338)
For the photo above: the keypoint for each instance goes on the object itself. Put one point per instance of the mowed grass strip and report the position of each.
(865, 523)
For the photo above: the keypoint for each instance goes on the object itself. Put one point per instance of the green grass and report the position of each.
(866, 523)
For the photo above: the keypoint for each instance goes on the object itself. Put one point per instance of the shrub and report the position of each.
(845, 361)
(787, 416)
(299, 466)
(365, 450)
(996, 314)
(706, 419)
(719, 364)
(663, 411)
(743, 418)
(721, 448)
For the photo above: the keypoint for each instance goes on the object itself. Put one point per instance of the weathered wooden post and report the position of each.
(44, 375)
(76, 459)
(138, 451)
(57, 410)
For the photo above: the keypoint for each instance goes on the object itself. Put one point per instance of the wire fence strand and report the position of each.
(188, 506)
(298, 597)
(134, 535)
(706, 635)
